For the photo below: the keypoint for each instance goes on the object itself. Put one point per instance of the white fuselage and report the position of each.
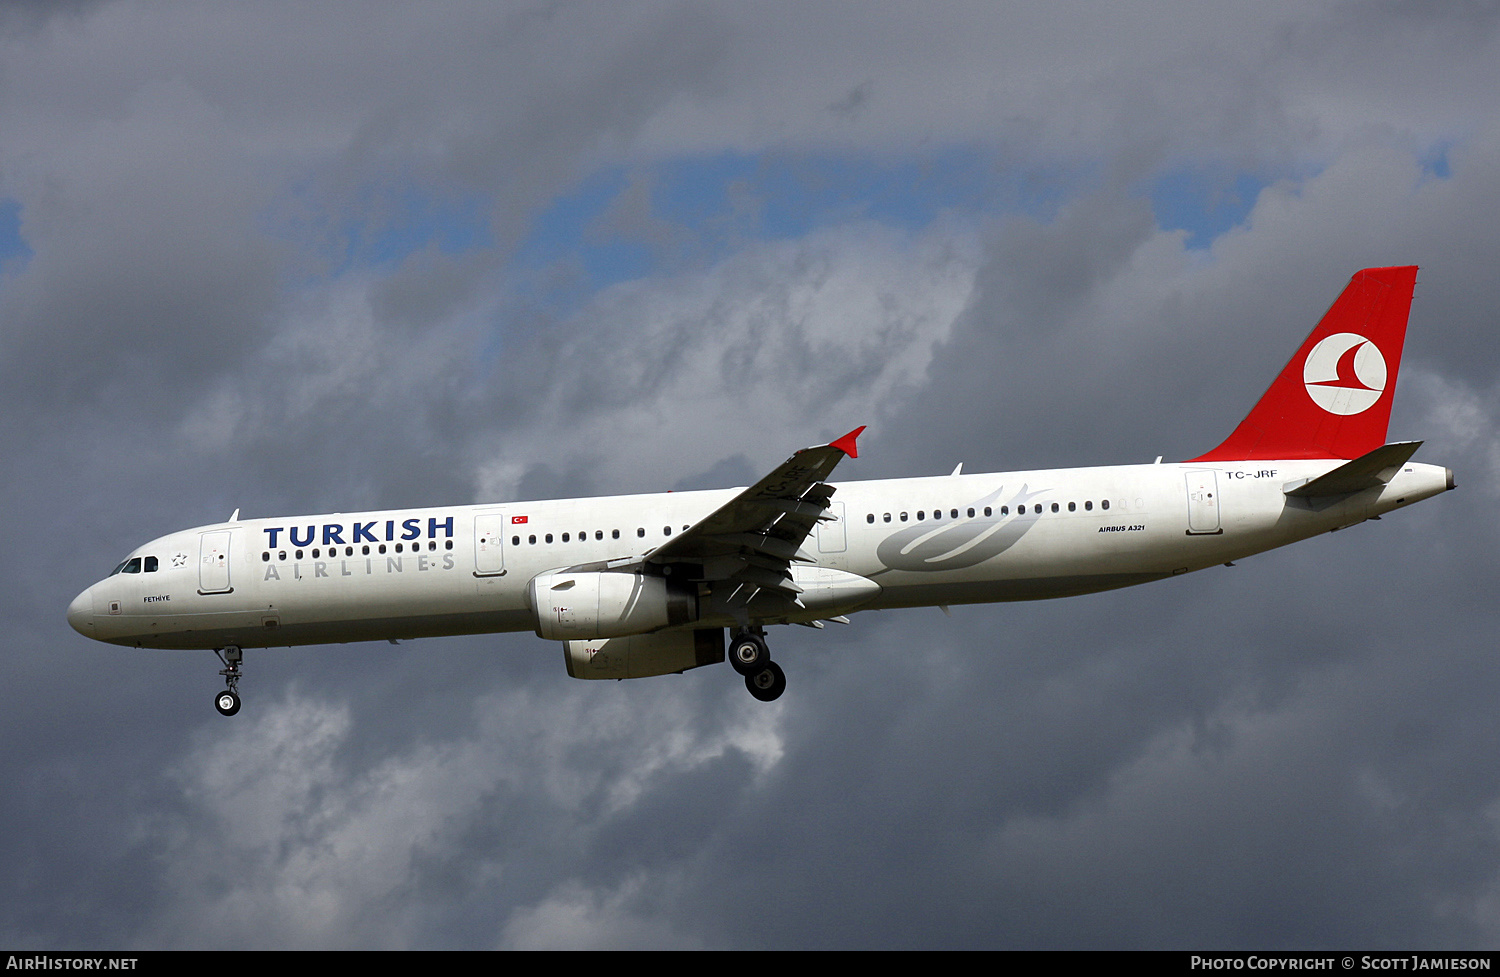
(892, 543)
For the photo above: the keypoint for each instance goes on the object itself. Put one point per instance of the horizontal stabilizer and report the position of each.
(1370, 470)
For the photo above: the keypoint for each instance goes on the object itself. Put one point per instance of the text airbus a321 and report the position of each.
(645, 585)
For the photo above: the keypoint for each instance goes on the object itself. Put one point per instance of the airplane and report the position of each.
(642, 585)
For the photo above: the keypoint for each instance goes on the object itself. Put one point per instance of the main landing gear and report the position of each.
(228, 701)
(751, 657)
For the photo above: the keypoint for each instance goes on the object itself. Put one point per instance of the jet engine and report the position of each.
(641, 655)
(571, 605)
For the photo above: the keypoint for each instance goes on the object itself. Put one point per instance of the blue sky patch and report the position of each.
(1203, 204)
(625, 223)
(1435, 161)
(13, 248)
(381, 225)
(405, 221)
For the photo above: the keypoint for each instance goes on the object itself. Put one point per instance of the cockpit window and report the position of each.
(136, 565)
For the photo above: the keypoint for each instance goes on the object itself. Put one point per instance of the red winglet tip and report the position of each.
(846, 443)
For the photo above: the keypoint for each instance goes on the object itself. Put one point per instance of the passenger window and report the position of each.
(1054, 507)
(666, 530)
(1088, 507)
(887, 517)
(870, 519)
(565, 537)
(903, 517)
(1104, 504)
(614, 534)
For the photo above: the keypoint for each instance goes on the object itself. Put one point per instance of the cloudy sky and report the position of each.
(290, 258)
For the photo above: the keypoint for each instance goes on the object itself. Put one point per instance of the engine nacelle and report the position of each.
(642, 655)
(591, 604)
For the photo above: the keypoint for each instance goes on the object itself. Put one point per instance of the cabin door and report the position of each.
(1203, 503)
(213, 562)
(489, 544)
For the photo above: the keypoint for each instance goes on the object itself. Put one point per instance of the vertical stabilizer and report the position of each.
(1333, 400)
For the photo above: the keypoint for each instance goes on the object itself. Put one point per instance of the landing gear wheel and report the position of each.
(748, 653)
(767, 682)
(227, 702)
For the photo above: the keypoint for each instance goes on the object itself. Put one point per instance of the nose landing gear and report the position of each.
(228, 701)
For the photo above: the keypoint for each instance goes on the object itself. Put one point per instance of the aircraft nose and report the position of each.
(81, 613)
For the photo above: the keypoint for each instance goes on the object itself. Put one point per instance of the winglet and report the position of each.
(846, 443)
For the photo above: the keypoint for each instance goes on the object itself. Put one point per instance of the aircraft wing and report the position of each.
(753, 538)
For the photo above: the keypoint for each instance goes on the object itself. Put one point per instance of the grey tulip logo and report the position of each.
(963, 542)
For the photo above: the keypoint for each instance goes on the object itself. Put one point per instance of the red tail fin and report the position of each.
(1333, 400)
